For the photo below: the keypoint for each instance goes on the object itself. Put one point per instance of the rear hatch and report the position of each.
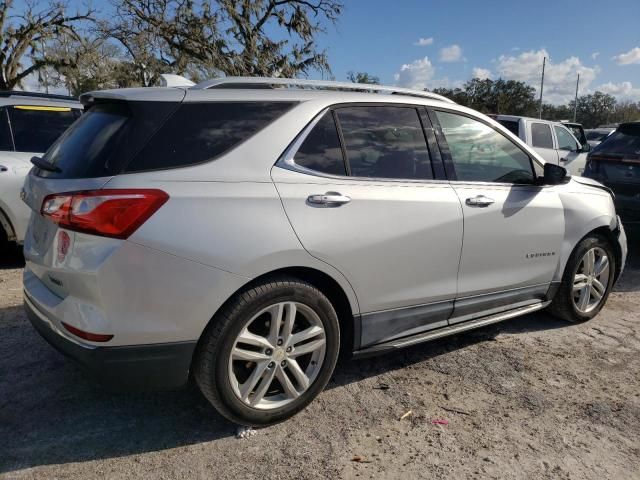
(94, 149)
(616, 164)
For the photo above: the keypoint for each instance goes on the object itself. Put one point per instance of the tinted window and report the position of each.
(511, 125)
(198, 132)
(385, 142)
(541, 135)
(85, 149)
(321, 149)
(481, 154)
(596, 135)
(625, 141)
(5, 135)
(565, 140)
(34, 130)
(105, 138)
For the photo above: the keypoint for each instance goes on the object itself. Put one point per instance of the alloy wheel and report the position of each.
(591, 280)
(277, 355)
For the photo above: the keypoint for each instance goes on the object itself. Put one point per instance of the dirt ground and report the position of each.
(530, 398)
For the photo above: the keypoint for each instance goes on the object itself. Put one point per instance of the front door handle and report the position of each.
(329, 199)
(479, 201)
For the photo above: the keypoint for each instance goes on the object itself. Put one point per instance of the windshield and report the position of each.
(596, 136)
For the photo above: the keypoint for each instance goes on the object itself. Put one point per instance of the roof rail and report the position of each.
(20, 93)
(265, 82)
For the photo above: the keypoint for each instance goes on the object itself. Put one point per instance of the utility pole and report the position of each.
(575, 102)
(544, 61)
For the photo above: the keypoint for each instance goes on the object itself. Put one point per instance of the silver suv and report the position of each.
(247, 231)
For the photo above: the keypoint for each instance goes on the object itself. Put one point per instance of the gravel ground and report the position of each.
(529, 398)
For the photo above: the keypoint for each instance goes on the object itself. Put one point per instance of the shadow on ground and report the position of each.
(51, 413)
(11, 257)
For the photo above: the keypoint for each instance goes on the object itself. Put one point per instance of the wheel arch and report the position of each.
(343, 303)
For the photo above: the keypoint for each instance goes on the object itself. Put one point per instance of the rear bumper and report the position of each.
(137, 367)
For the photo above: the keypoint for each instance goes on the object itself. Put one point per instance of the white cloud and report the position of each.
(452, 53)
(417, 74)
(559, 79)
(515, 49)
(632, 56)
(622, 90)
(481, 73)
(595, 55)
(423, 42)
(421, 74)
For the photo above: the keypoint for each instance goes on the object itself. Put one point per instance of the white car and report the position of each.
(29, 124)
(553, 141)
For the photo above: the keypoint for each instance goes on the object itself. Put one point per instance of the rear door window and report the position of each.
(385, 142)
(35, 128)
(321, 150)
(199, 132)
(541, 135)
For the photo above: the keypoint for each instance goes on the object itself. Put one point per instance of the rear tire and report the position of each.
(269, 352)
(586, 282)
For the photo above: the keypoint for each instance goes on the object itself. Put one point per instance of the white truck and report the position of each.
(553, 141)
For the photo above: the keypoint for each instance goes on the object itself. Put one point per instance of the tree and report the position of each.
(494, 96)
(363, 77)
(229, 36)
(595, 109)
(27, 33)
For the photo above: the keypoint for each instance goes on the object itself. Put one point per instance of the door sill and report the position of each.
(449, 330)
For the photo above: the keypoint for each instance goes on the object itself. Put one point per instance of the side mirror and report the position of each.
(585, 147)
(554, 174)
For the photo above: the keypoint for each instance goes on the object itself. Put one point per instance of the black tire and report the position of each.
(211, 360)
(563, 306)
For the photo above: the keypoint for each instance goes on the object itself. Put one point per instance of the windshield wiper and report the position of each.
(41, 164)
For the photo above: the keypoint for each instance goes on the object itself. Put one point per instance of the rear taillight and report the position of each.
(109, 213)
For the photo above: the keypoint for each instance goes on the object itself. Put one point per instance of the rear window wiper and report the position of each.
(41, 164)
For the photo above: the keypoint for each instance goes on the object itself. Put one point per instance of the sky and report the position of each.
(428, 43)
(431, 43)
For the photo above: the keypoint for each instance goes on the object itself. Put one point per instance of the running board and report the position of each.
(451, 330)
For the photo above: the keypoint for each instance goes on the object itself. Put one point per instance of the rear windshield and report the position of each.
(105, 138)
(624, 141)
(35, 128)
(596, 136)
(511, 125)
(121, 137)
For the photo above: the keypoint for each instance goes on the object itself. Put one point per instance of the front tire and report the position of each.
(587, 280)
(269, 352)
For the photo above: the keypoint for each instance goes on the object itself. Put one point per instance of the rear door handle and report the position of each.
(329, 199)
(479, 201)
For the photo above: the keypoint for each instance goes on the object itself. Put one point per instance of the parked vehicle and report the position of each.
(551, 140)
(247, 234)
(596, 135)
(616, 163)
(29, 124)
